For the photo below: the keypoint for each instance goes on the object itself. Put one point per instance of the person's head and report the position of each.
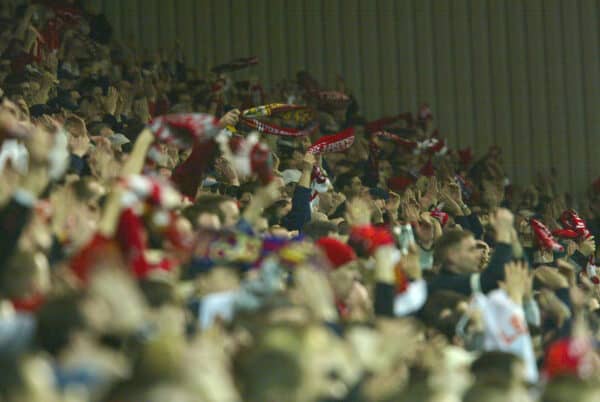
(498, 369)
(88, 108)
(25, 275)
(317, 229)
(487, 393)
(31, 379)
(100, 129)
(57, 321)
(572, 389)
(349, 184)
(268, 375)
(278, 210)
(231, 212)
(442, 312)
(209, 208)
(456, 250)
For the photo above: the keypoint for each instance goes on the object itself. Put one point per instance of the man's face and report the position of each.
(231, 212)
(465, 256)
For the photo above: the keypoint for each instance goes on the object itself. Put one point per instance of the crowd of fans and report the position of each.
(175, 235)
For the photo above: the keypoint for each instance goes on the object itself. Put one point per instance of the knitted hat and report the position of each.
(338, 253)
(368, 238)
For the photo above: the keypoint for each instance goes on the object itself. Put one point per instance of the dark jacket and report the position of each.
(461, 283)
(188, 175)
(300, 213)
(470, 223)
(13, 218)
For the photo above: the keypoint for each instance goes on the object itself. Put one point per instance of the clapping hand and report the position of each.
(517, 281)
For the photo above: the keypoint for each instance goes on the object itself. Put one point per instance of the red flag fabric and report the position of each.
(339, 142)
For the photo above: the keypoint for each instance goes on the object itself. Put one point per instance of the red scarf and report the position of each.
(386, 122)
(273, 129)
(184, 129)
(339, 142)
(573, 226)
(250, 117)
(331, 100)
(544, 237)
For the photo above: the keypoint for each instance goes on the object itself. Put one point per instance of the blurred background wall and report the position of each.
(522, 74)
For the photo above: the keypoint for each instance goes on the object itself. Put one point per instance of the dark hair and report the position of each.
(494, 367)
(16, 274)
(56, 320)
(268, 374)
(343, 180)
(96, 128)
(157, 293)
(431, 313)
(208, 203)
(272, 212)
(317, 229)
(485, 392)
(568, 388)
(448, 240)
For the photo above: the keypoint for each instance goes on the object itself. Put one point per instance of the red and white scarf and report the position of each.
(430, 146)
(339, 142)
(248, 156)
(544, 237)
(250, 118)
(184, 129)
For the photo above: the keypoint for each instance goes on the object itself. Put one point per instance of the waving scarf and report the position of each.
(333, 143)
(331, 100)
(299, 114)
(573, 226)
(235, 65)
(184, 129)
(387, 123)
(544, 237)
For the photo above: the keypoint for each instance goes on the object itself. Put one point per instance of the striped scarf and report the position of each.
(334, 143)
(299, 114)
